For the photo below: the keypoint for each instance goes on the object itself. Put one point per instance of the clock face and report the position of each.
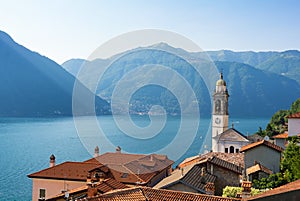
(217, 120)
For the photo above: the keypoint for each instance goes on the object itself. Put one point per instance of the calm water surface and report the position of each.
(27, 143)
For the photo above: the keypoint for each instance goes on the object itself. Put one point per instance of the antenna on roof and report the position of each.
(234, 122)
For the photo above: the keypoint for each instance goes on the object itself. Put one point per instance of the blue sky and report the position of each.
(65, 29)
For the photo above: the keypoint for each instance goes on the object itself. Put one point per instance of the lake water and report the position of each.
(27, 143)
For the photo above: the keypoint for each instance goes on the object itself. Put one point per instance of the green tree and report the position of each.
(273, 181)
(278, 122)
(290, 164)
(231, 191)
(295, 106)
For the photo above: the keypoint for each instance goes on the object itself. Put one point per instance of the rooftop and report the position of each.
(258, 167)
(235, 158)
(133, 168)
(232, 135)
(293, 186)
(126, 168)
(281, 136)
(259, 143)
(225, 164)
(102, 187)
(75, 171)
(190, 176)
(145, 194)
(294, 116)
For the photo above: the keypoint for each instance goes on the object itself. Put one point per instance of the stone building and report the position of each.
(195, 177)
(263, 152)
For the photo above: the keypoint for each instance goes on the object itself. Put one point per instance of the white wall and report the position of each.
(53, 187)
(293, 126)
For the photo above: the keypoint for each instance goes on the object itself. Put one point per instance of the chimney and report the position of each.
(118, 149)
(52, 160)
(92, 190)
(89, 179)
(203, 173)
(246, 189)
(96, 152)
(210, 188)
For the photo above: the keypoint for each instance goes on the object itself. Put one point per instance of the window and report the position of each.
(124, 175)
(226, 150)
(231, 149)
(237, 151)
(42, 194)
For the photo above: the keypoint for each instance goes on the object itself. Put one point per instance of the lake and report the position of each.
(27, 143)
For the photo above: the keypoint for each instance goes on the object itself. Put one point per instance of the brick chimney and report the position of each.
(210, 188)
(246, 189)
(92, 190)
(96, 152)
(52, 160)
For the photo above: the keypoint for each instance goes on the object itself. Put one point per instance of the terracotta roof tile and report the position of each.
(281, 136)
(235, 158)
(102, 187)
(262, 142)
(194, 179)
(116, 158)
(294, 116)
(225, 164)
(67, 171)
(189, 176)
(145, 194)
(134, 168)
(258, 167)
(293, 186)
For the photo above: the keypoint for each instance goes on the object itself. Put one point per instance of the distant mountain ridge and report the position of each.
(253, 91)
(285, 63)
(32, 85)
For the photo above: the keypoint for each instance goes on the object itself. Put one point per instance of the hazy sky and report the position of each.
(65, 29)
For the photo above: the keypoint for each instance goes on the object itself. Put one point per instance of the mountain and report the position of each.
(32, 85)
(285, 63)
(253, 92)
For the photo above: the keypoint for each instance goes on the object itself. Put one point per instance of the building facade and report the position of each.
(223, 139)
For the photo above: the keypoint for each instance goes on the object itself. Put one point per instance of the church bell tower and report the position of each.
(220, 112)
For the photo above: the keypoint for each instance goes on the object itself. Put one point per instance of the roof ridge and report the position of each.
(264, 142)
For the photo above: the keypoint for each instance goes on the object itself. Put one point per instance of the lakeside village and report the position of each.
(227, 173)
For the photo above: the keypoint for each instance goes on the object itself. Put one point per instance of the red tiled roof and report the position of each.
(145, 194)
(293, 186)
(109, 185)
(126, 168)
(294, 116)
(75, 171)
(116, 158)
(102, 187)
(235, 158)
(225, 164)
(281, 136)
(138, 168)
(258, 167)
(262, 142)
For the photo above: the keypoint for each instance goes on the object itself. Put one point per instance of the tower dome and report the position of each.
(221, 82)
